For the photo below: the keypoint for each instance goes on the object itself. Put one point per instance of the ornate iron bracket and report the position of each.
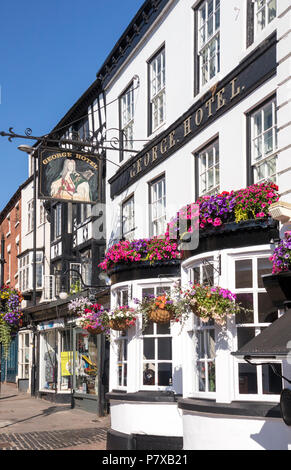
(86, 143)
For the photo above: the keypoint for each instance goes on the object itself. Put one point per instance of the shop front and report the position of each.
(70, 363)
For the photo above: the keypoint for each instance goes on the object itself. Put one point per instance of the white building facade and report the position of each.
(200, 94)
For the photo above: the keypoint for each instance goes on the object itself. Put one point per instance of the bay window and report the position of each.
(122, 298)
(204, 333)
(25, 264)
(251, 294)
(157, 368)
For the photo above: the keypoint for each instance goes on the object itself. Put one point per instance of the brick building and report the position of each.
(10, 235)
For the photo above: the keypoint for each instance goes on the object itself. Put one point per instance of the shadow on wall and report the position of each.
(177, 380)
(273, 435)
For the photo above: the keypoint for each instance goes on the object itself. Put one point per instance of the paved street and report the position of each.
(32, 424)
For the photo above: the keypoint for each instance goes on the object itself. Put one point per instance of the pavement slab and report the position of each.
(28, 423)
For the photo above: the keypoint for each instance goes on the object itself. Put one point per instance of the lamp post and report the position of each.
(31, 151)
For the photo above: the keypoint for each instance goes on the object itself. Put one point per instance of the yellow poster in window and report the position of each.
(67, 362)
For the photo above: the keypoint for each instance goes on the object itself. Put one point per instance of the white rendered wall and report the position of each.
(230, 127)
(42, 230)
(222, 432)
(159, 419)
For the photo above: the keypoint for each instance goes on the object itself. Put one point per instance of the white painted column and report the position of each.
(284, 97)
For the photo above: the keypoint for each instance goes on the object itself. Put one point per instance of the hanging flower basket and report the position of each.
(158, 309)
(95, 331)
(92, 318)
(160, 315)
(208, 303)
(118, 325)
(121, 318)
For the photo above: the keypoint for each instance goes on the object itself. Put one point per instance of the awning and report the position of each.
(274, 341)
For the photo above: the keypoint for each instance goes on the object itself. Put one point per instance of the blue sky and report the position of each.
(50, 52)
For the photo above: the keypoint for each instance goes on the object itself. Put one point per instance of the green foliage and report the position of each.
(5, 336)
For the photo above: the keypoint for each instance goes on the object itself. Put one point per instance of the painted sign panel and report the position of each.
(48, 325)
(69, 176)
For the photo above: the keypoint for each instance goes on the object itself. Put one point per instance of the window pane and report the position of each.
(148, 292)
(247, 379)
(164, 374)
(211, 376)
(201, 376)
(149, 348)
(165, 349)
(200, 350)
(244, 335)
(267, 312)
(210, 343)
(207, 274)
(163, 328)
(271, 10)
(268, 117)
(149, 329)
(264, 267)
(243, 274)
(246, 301)
(272, 384)
(149, 374)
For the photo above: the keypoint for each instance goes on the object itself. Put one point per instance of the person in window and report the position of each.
(71, 184)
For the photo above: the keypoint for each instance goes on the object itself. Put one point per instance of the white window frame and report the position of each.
(30, 216)
(25, 270)
(254, 255)
(157, 77)
(202, 264)
(24, 273)
(156, 336)
(57, 221)
(266, 157)
(262, 7)
(127, 117)
(205, 170)
(74, 278)
(158, 217)
(128, 218)
(24, 356)
(205, 41)
(42, 215)
(121, 339)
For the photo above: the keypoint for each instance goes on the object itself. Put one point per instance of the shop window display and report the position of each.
(66, 360)
(86, 365)
(49, 360)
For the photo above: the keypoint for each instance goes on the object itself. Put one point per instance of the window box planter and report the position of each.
(123, 272)
(278, 287)
(235, 235)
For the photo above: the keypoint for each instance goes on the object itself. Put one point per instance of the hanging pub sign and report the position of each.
(68, 175)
